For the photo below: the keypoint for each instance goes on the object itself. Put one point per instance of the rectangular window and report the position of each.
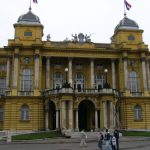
(27, 33)
(2, 85)
(26, 80)
(1, 114)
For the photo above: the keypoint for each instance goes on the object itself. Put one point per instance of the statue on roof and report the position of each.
(81, 37)
(75, 38)
(48, 37)
(87, 38)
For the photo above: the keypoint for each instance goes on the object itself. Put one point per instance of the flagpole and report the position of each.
(30, 6)
(124, 9)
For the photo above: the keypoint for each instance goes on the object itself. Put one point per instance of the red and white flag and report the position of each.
(128, 6)
(35, 1)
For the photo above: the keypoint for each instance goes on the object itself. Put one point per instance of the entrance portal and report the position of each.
(86, 115)
(52, 116)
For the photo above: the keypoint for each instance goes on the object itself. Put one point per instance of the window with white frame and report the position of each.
(1, 114)
(26, 80)
(138, 112)
(99, 81)
(79, 81)
(25, 112)
(58, 80)
(2, 85)
(133, 81)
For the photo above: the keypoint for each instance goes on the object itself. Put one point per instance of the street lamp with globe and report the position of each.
(66, 84)
(106, 85)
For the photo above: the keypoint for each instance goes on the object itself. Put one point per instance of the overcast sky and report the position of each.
(61, 18)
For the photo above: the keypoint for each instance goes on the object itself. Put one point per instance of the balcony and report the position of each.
(79, 91)
(19, 93)
(132, 94)
(25, 93)
(137, 93)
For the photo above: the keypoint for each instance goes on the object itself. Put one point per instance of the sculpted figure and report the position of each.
(75, 38)
(48, 37)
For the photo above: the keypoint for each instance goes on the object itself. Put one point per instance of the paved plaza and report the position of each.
(126, 143)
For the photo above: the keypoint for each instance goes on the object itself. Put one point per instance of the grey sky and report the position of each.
(61, 18)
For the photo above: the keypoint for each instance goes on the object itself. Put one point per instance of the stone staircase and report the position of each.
(90, 135)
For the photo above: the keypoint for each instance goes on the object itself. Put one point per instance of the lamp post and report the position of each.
(66, 84)
(106, 71)
(66, 70)
(106, 85)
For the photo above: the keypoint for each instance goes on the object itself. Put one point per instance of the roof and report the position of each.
(29, 18)
(127, 23)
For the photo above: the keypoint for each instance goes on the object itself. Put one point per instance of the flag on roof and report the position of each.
(128, 6)
(35, 1)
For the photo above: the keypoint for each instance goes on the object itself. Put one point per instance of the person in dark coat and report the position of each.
(116, 134)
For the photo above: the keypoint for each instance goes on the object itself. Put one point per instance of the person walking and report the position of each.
(107, 139)
(100, 140)
(113, 141)
(116, 134)
(83, 139)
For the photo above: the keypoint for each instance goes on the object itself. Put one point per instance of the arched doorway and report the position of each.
(86, 115)
(52, 115)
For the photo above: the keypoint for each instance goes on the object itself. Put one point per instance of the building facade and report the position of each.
(74, 84)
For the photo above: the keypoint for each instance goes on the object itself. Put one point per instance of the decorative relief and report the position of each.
(133, 64)
(26, 60)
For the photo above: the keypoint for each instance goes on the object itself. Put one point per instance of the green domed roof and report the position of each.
(127, 23)
(29, 17)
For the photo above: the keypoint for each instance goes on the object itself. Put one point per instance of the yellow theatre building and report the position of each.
(74, 84)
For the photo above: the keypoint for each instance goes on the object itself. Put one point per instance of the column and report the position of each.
(125, 73)
(148, 74)
(70, 115)
(92, 72)
(47, 73)
(36, 73)
(113, 74)
(144, 74)
(8, 74)
(46, 117)
(70, 71)
(96, 120)
(105, 114)
(15, 72)
(111, 115)
(57, 119)
(77, 123)
(63, 115)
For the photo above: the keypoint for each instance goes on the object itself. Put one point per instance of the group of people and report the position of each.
(111, 140)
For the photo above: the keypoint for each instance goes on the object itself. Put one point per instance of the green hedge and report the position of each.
(135, 133)
(39, 135)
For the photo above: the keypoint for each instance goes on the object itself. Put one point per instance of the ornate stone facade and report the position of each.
(34, 75)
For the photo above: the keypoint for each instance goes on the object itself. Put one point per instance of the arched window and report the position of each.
(25, 112)
(138, 112)
(26, 80)
(1, 114)
(99, 81)
(133, 81)
(58, 80)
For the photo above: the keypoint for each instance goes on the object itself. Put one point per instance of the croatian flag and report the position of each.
(128, 6)
(35, 1)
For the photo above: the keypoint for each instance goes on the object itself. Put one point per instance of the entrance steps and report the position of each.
(90, 135)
